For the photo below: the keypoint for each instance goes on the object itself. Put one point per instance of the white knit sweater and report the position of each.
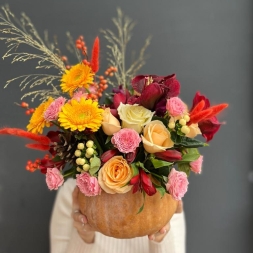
(65, 239)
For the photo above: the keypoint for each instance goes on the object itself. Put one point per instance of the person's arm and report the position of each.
(63, 235)
(61, 224)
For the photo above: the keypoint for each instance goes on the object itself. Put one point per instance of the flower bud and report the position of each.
(78, 169)
(169, 155)
(185, 129)
(182, 122)
(171, 125)
(78, 153)
(80, 146)
(89, 144)
(86, 167)
(90, 151)
(106, 156)
(186, 117)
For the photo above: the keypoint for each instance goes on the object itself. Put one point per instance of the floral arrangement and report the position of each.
(142, 138)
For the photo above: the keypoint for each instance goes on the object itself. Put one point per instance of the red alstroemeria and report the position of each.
(106, 156)
(204, 115)
(169, 155)
(143, 182)
(49, 163)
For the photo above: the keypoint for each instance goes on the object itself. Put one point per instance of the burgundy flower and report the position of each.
(154, 89)
(131, 156)
(143, 182)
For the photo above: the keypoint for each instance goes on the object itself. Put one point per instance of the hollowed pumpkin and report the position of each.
(116, 215)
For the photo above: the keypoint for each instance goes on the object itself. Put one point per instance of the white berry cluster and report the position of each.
(84, 153)
(181, 124)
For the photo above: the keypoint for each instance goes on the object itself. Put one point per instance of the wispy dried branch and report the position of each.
(18, 32)
(117, 45)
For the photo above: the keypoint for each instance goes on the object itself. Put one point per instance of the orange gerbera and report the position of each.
(79, 76)
(79, 115)
(37, 121)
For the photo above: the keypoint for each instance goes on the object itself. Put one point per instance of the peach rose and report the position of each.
(110, 124)
(156, 137)
(114, 176)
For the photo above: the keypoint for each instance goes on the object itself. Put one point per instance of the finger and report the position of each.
(179, 207)
(158, 237)
(78, 217)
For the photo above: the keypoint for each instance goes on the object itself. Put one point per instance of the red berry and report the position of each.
(27, 112)
(24, 105)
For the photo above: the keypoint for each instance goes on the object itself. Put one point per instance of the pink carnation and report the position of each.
(197, 165)
(126, 140)
(54, 108)
(177, 184)
(54, 178)
(80, 93)
(175, 106)
(88, 185)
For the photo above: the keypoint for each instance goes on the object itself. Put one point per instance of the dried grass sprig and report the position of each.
(117, 45)
(21, 32)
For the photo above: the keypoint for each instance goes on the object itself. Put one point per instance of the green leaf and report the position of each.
(94, 165)
(164, 121)
(141, 208)
(108, 139)
(69, 173)
(185, 167)
(189, 158)
(159, 163)
(182, 141)
(135, 169)
(160, 189)
(164, 171)
(56, 159)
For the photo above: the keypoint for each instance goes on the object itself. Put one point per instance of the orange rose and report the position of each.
(114, 175)
(110, 124)
(156, 137)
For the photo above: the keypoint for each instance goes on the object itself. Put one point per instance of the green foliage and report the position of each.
(94, 165)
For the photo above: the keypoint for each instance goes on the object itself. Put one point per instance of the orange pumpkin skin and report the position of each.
(116, 215)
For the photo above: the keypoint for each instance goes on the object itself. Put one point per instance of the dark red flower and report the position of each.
(49, 163)
(153, 89)
(131, 156)
(210, 125)
(143, 182)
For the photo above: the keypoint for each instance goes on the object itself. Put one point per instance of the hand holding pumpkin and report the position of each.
(158, 237)
(87, 233)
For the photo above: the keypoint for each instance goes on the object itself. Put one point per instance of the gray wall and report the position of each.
(209, 45)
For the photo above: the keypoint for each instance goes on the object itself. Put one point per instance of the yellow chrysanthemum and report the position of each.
(81, 115)
(37, 121)
(79, 76)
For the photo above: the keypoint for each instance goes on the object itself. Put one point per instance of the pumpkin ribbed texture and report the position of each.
(116, 215)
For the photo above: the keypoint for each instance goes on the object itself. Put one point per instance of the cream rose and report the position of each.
(114, 176)
(156, 137)
(194, 130)
(134, 116)
(110, 124)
